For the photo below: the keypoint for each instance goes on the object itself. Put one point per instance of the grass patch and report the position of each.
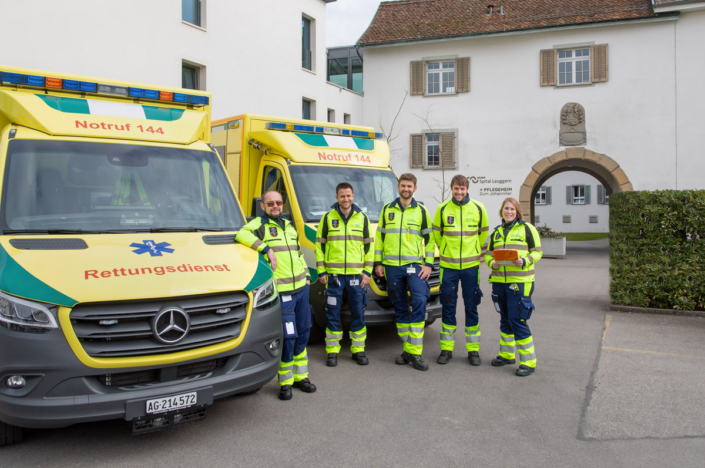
(585, 236)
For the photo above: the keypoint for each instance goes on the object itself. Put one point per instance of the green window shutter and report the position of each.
(569, 195)
(600, 194)
(587, 194)
(548, 195)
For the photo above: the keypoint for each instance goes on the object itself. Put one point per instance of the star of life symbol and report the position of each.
(154, 249)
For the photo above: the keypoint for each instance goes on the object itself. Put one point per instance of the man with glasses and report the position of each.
(276, 237)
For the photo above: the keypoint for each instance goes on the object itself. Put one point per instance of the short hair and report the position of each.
(408, 176)
(516, 204)
(264, 195)
(342, 186)
(460, 180)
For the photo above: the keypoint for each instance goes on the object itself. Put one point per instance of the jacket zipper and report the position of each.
(401, 232)
(461, 237)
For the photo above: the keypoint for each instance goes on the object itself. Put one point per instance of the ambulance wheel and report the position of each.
(10, 434)
(317, 333)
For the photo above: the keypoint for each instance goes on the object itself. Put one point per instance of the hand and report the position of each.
(425, 272)
(308, 282)
(495, 266)
(323, 279)
(519, 263)
(365, 281)
(272, 259)
(379, 271)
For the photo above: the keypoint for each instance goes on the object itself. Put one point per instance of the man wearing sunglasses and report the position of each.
(344, 260)
(276, 237)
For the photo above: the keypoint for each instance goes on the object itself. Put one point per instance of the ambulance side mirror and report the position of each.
(256, 208)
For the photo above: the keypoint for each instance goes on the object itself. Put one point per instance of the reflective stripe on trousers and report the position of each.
(472, 338)
(447, 337)
(301, 366)
(527, 354)
(358, 340)
(403, 331)
(507, 346)
(333, 341)
(286, 376)
(414, 344)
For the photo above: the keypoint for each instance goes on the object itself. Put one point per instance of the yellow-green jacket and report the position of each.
(524, 238)
(460, 230)
(401, 235)
(344, 246)
(263, 234)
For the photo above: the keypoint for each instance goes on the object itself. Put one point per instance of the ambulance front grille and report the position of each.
(124, 329)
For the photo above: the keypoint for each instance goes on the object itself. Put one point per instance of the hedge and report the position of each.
(657, 249)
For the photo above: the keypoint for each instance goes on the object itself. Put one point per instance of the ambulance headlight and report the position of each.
(265, 295)
(26, 316)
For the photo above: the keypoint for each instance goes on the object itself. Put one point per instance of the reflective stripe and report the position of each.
(531, 260)
(506, 349)
(301, 369)
(459, 233)
(378, 252)
(445, 329)
(437, 228)
(506, 336)
(447, 337)
(426, 231)
(410, 258)
(357, 343)
(371, 263)
(525, 346)
(400, 231)
(332, 342)
(321, 263)
(536, 249)
(346, 237)
(256, 244)
(527, 357)
(321, 240)
(458, 260)
(334, 335)
(513, 273)
(283, 248)
(415, 341)
(485, 229)
(291, 280)
(369, 240)
(403, 329)
(472, 338)
(516, 247)
(416, 329)
(284, 377)
(344, 265)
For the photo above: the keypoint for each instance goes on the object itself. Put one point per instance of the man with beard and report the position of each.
(277, 238)
(404, 248)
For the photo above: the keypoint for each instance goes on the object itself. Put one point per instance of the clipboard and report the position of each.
(505, 257)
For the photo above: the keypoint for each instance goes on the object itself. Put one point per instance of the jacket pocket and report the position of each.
(495, 301)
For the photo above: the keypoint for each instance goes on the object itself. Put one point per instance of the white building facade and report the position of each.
(505, 109)
(249, 54)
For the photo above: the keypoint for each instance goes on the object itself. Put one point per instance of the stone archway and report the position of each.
(600, 166)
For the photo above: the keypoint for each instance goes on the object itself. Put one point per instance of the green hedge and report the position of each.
(657, 249)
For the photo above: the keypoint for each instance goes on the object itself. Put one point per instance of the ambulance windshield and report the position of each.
(58, 186)
(315, 189)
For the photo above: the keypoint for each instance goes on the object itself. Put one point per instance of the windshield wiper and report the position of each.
(57, 231)
(184, 229)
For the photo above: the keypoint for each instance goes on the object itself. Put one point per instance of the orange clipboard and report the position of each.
(505, 257)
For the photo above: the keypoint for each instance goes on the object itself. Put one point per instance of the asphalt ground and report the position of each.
(610, 390)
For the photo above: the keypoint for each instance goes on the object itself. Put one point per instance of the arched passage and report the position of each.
(600, 166)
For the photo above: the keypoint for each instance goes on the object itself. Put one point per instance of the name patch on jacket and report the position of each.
(451, 219)
(335, 223)
(273, 232)
(391, 216)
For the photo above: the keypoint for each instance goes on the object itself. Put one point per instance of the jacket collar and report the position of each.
(397, 204)
(355, 209)
(465, 201)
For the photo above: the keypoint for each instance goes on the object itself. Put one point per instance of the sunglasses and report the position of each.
(272, 204)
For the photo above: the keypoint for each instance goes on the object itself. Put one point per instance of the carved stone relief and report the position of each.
(572, 132)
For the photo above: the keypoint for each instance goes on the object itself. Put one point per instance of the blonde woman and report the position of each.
(513, 285)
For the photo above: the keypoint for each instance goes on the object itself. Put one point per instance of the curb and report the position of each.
(649, 310)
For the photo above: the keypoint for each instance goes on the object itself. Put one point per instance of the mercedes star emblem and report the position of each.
(171, 326)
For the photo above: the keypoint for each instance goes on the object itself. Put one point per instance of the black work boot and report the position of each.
(332, 360)
(360, 358)
(500, 361)
(401, 360)
(523, 370)
(285, 392)
(305, 386)
(474, 358)
(416, 361)
(445, 357)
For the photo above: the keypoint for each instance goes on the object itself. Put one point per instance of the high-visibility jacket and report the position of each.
(522, 237)
(404, 236)
(344, 246)
(124, 194)
(460, 230)
(263, 234)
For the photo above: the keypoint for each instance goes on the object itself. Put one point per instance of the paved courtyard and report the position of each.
(611, 390)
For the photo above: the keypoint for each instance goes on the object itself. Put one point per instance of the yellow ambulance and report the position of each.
(305, 160)
(122, 291)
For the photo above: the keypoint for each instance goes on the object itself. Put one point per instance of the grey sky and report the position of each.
(346, 20)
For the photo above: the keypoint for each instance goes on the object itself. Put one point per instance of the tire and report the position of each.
(317, 333)
(10, 435)
(251, 392)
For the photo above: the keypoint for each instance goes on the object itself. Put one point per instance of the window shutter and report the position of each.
(448, 150)
(569, 195)
(587, 194)
(600, 63)
(548, 195)
(600, 195)
(462, 75)
(416, 150)
(548, 67)
(418, 78)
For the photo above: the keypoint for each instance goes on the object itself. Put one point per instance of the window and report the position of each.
(338, 71)
(346, 119)
(603, 198)
(593, 219)
(272, 179)
(306, 43)
(434, 150)
(573, 66)
(577, 195)
(190, 76)
(537, 219)
(543, 196)
(345, 68)
(566, 219)
(356, 75)
(440, 77)
(308, 111)
(192, 11)
(443, 76)
(331, 115)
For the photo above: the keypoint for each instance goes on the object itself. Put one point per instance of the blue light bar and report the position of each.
(276, 126)
(89, 87)
(303, 128)
(319, 129)
(151, 94)
(379, 135)
(180, 98)
(18, 79)
(346, 132)
(359, 133)
(136, 92)
(72, 85)
(198, 100)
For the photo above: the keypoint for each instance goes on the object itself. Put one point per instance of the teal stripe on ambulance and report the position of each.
(340, 142)
(69, 105)
(312, 139)
(82, 106)
(364, 145)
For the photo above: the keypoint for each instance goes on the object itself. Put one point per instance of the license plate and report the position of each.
(161, 405)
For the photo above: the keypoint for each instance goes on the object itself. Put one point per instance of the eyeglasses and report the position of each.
(271, 204)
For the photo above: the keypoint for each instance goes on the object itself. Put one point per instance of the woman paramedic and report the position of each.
(513, 285)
